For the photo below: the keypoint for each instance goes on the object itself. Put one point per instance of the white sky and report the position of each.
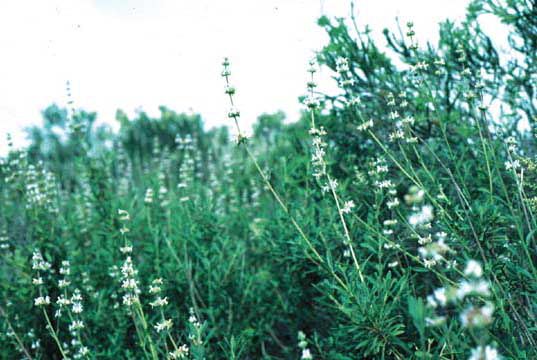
(133, 53)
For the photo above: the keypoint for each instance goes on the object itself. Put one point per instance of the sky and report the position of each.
(136, 54)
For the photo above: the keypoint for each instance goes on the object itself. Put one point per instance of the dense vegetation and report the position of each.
(395, 220)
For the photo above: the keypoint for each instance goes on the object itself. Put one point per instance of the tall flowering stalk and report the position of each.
(165, 324)
(320, 167)
(74, 308)
(234, 114)
(130, 285)
(42, 301)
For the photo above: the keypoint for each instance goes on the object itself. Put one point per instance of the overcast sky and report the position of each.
(133, 54)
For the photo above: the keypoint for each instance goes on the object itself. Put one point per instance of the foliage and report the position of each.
(394, 220)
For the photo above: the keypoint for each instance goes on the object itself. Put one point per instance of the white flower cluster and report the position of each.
(512, 163)
(156, 288)
(76, 325)
(433, 252)
(485, 353)
(402, 125)
(347, 207)
(319, 152)
(129, 283)
(378, 170)
(38, 263)
(188, 150)
(196, 329)
(163, 190)
(123, 217)
(311, 101)
(423, 216)
(4, 240)
(180, 353)
(41, 188)
(469, 291)
(42, 300)
(345, 76)
(303, 346)
(366, 125)
(148, 198)
(63, 302)
(164, 325)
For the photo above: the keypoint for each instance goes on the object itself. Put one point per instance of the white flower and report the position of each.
(398, 134)
(63, 283)
(165, 324)
(429, 263)
(159, 302)
(365, 125)
(76, 325)
(342, 65)
(63, 301)
(477, 317)
(347, 207)
(42, 300)
(125, 249)
(180, 353)
(511, 165)
(123, 215)
(346, 82)
(440, 296)
(77, 308)
(424, 216)
(306, 354)
(408, 120)
(65, 268)
(473, 269)
(38, 263)
(130, 299)
(76, 296)
(473, 288)
(487, 353)
(392, 203)
(83, 351)
(415, 195)
(148, 199)
(130, 284)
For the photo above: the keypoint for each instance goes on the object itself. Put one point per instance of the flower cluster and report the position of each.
(233, 112)
(129, 282)
(41, 189)
(159, 302)
(402, 124)
(4, 240)
(473, 293)
(303, 346)
(180, 353)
